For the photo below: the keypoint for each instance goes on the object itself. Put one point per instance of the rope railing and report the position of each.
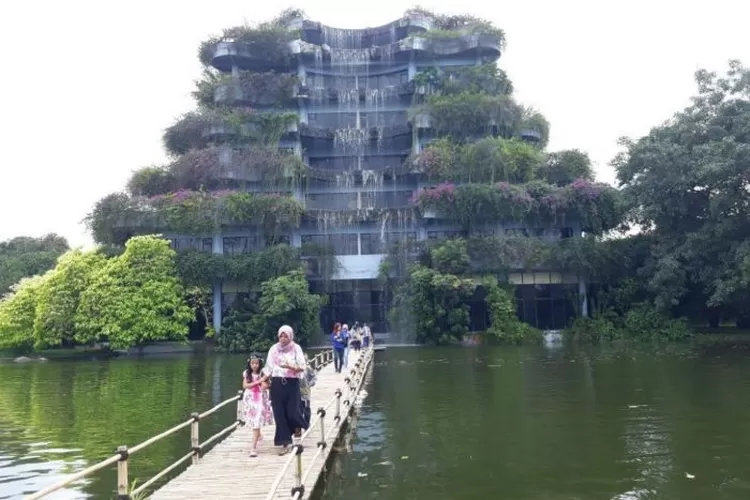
(354, 383)
(197, 449)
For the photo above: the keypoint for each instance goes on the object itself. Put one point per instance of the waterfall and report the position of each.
(350, 141)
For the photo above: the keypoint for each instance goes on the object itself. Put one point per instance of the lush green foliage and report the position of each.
(24, 257)
(60, 295)
(200, 268)
(268, 40)
(486, 160)
(450, 26)
(595, 206)
(135, 298)
(17, 313)
(432, 300)
(686, 185)
(564, 167)
(472, 102)
(235, 126)
(117, 217)
(505, 326)
(267, 89)
(252, 325)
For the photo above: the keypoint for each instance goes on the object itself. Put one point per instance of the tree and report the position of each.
(564, 167)
(135, 298)
(17, 312)
(687, 184)
(253, 324)
(25, 256)
(60, 295)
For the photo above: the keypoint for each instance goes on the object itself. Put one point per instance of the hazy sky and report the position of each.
(88, 86)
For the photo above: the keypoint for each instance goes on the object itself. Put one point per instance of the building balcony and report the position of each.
(530, 135)
(484, 45)
(222, 132)
(355, 141)
(376, 97)
(234, 94)
(319, 34)
(227, 55)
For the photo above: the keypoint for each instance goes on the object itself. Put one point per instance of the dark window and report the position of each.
(332, 201)
(377, 243)
(341, 244)
(440, 235)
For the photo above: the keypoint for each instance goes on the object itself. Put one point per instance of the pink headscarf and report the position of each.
(290, 332)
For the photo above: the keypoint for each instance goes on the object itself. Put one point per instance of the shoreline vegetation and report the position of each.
(722, 336)
(658, 258)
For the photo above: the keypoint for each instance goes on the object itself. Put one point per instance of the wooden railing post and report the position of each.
(122, 474)
(195, 441)
(322, 414)
(299, 488)
(337, 417)
(240, 407)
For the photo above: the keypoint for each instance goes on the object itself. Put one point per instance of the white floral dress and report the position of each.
(256, 405)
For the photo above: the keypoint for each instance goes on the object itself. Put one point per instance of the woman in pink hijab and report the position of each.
(285, 365)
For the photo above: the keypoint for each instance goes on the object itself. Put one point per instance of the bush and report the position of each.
(591, 330)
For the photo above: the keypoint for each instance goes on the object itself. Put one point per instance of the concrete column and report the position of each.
(583, 297)
(217, 307)
(412, 69)
(218, 249)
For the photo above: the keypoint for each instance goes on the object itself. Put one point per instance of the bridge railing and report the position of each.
(328, 433)
(197, 448)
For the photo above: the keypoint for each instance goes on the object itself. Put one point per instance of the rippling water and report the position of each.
(60, 417)
(513, 423)
(437, 423)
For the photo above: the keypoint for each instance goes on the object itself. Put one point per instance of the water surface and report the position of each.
(438, 423)
(539, 424)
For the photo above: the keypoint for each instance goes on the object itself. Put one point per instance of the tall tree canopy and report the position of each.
(25, 256)
(688, 184)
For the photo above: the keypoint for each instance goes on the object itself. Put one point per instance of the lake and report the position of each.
(517, 423)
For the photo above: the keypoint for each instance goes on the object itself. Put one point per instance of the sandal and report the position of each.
(284, 450)
(253, 453)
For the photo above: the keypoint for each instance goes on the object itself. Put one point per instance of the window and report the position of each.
(440, 235)
(386, 199)
(341, 244)
(379, 243)
(519, 231)
(200, 244)
(332, 201)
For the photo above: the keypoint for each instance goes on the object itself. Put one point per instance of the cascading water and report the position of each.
(354, 94)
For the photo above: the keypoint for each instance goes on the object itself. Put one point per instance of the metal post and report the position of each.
(122, 473)
(195, 441)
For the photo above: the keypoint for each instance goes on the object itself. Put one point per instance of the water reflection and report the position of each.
(616, 423)
(57, 418)
(519, 423)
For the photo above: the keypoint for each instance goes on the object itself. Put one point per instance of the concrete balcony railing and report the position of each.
(227, 55)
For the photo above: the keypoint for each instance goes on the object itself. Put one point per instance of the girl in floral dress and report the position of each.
(256, 403)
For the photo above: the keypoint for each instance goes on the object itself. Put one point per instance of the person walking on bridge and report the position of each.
(285, 365)
(339, 340)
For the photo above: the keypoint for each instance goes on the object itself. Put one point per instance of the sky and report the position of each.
(88, 86)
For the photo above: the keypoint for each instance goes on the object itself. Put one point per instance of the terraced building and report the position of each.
(327, 138)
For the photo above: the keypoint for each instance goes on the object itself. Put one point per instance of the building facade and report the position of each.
(354, 97)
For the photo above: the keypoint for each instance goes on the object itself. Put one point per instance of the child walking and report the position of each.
(255, 399)
(305, 388)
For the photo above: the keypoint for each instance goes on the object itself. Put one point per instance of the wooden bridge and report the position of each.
(226, 470)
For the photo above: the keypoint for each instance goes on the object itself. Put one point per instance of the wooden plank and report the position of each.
(228, 472)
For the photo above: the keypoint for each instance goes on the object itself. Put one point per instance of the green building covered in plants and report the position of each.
(358, 148)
